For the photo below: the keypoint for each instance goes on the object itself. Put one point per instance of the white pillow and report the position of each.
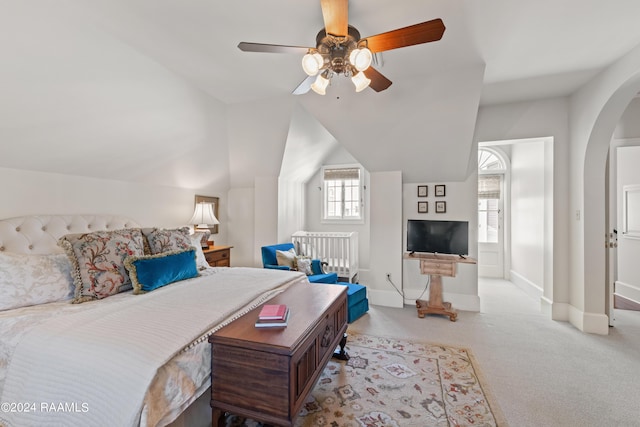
(201, 261)
(287, 258)
(34, 279)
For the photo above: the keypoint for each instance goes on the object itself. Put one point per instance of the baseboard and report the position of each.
(592, 323)
(627, 291)
(623, 303)
(384, 298)
(526, 285)
(546, 306)
(462, 302)
(558, 310)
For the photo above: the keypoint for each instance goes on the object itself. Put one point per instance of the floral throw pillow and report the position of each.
(164, 240)
(97, 261)
(34, 279)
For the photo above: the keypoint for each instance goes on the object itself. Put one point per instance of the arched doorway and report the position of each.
(603, 104)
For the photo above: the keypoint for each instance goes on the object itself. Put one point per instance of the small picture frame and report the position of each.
(440, 190)
(423, 190)
(441, 207)
(423, 207)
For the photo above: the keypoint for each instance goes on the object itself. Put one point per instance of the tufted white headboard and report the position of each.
(39, 234)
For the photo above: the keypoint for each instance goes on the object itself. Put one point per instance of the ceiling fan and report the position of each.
(340, 50)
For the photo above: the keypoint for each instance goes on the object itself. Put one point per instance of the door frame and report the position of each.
(494, 147)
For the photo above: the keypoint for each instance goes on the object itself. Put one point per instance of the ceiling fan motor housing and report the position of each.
(336, 49)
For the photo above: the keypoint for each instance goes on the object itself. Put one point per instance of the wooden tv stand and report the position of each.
(436, 266)
(267, 373)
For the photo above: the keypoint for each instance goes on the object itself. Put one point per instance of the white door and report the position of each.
(627, 274)
(490, 237)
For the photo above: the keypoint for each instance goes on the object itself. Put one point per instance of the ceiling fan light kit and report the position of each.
(312, 62)
(321, 83)
(361, 58)
(340, 50)
(360, 81)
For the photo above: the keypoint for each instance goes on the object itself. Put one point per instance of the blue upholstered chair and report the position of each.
(269, 260)
(357, 301)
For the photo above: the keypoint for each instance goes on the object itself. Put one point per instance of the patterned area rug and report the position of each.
(394, 383)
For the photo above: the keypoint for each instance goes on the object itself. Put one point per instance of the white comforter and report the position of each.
(148, 361)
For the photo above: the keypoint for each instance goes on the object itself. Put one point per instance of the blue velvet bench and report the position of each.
(357, 301)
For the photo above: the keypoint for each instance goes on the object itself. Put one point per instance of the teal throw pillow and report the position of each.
(150, 272)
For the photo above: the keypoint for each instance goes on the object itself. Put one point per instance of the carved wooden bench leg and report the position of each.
(341, 354)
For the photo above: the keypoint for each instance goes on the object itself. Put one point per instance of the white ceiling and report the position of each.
(126, 87)
(553, 46)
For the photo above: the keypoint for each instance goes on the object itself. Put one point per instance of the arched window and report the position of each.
(489, 160)
(491, 169)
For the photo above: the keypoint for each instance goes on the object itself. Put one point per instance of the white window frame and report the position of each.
(323, 204)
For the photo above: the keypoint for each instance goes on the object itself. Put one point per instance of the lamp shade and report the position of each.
(360, 81)
(311, 63)
(203, 216)
(360, 58)
(320, 85)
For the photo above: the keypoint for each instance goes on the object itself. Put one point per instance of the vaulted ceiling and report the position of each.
(133, 87)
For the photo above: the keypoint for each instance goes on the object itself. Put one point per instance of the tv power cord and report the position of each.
(425, 288)
(394, 286)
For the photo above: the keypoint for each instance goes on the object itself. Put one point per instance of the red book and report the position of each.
(264, 323)
(273, 312)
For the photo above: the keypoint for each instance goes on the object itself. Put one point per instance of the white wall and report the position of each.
(629, 124)
(32, 193)
(462, 205)
(242, 226)
(386, 237)
(291, 201)
(257, 135)
(527, 216)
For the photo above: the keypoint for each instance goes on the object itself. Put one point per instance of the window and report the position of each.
(342, 193)
(490, 175)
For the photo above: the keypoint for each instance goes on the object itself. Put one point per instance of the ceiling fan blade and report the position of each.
(425, 32)
(378, 81)
(336, 16)
(271, 48)
(304, 86)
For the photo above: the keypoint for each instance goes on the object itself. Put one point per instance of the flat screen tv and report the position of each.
(443, 237)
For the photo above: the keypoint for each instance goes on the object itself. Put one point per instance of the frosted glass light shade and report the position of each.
(361, 58)
(320, 85)
(311, 63)
(360, 81)
(203, 216)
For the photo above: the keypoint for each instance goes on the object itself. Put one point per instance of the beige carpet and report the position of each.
(393, 383)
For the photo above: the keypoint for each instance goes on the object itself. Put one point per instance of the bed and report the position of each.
(131, 358)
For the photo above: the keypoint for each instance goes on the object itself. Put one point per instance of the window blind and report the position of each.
(489, 186)
(342, 173)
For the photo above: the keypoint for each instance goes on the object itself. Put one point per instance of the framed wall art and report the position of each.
(423, 190)
(440, 190)
(423, 207)
(441, 207)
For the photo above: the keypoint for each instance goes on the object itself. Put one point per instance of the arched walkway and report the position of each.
(595, 111)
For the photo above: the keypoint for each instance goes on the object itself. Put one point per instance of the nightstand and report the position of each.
(218, 256)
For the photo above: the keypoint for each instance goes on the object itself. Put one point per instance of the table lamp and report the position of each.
(202, 219)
